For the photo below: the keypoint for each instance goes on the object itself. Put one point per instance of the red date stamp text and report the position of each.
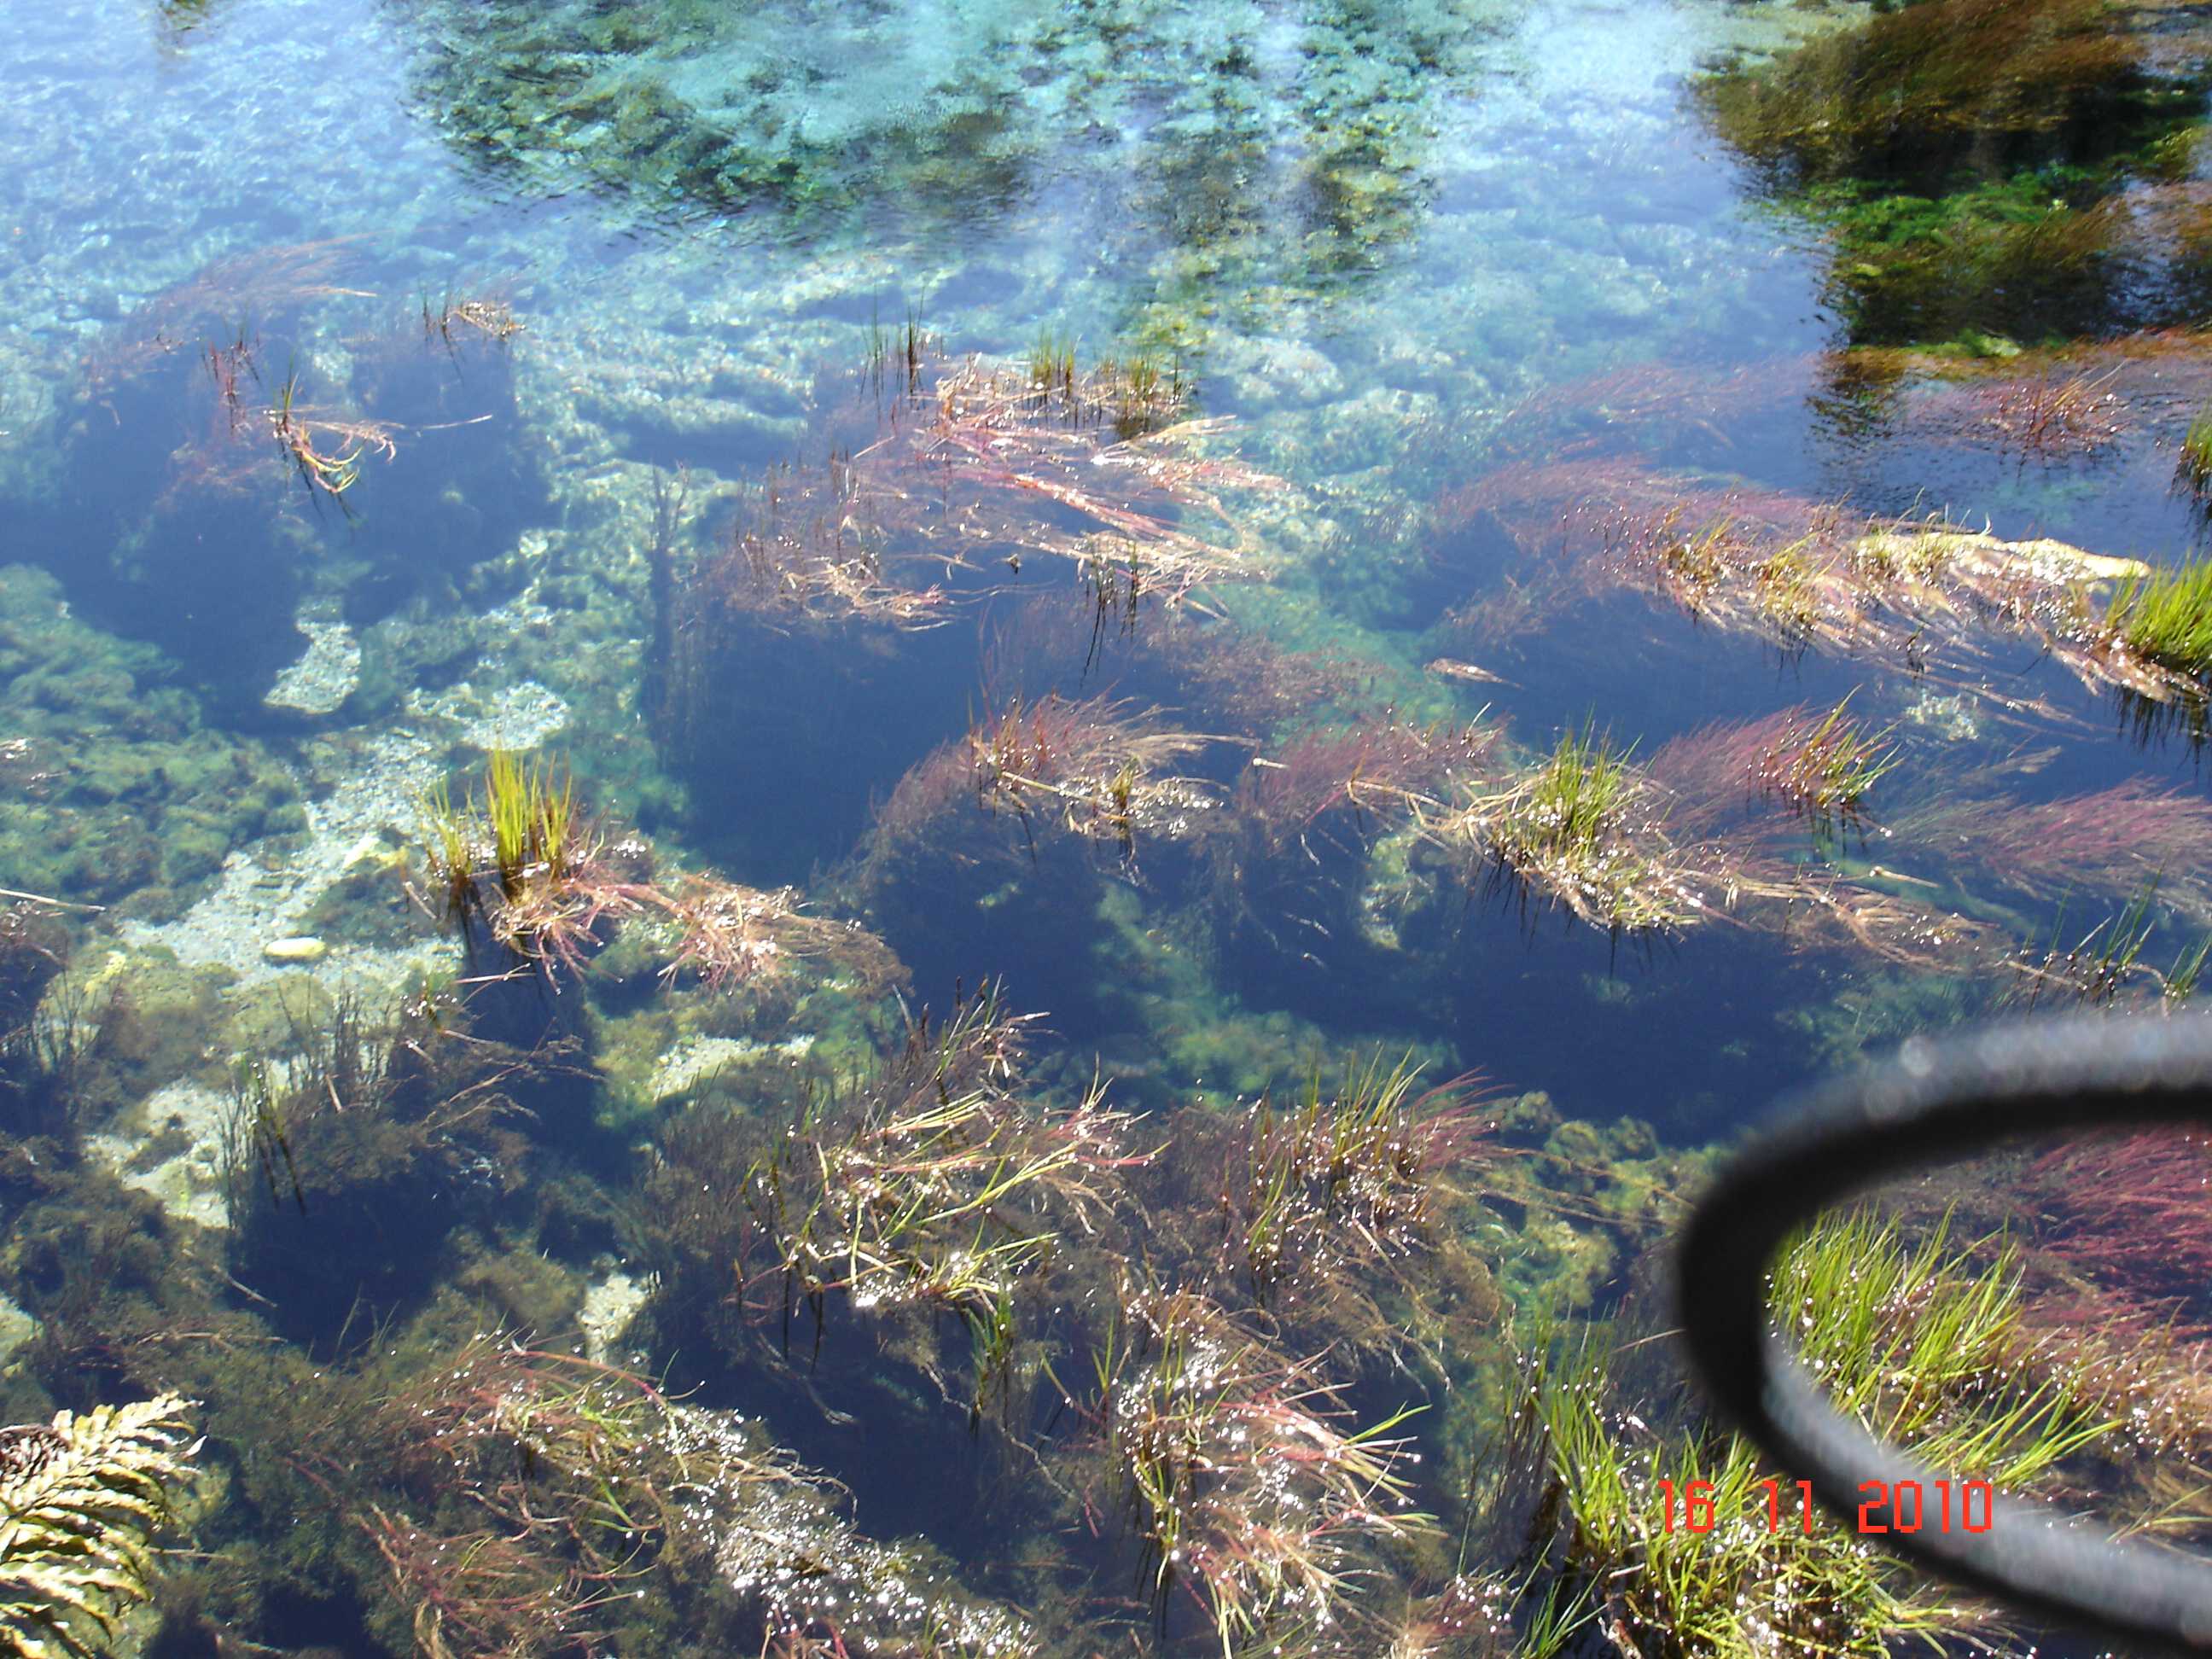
(1902, 1506)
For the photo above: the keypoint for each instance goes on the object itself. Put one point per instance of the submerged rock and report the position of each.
(302, 948)
(327, 672)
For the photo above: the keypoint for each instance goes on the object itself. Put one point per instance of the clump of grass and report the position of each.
(1581, 828)
(523, 827)
(1698, 560)
(1343, 1177)
(2195, 464)
(1825, 773)
(2165, 617)
(1920, 1342)
(926, 1188)
(450, 319)
(1789, 594)
(520, 861)
(2188, 969)
(1052, 362)
(1248, 1486)
(1136, 394)
(1566, 827)
(1092, 768)
(1573, 803)
(532, 809)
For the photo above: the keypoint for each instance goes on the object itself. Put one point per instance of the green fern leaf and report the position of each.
(80, 1499)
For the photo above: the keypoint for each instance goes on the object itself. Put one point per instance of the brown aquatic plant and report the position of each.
(1092, 768)
(2050, 418)
(325, 451)
(257, 284)
(493, 318)
(1332, 1180)
(1248, 1486)
(520, 862)
(964, 472)
(481, 1592)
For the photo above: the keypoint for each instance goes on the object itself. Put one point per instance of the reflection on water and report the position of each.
(849, 829)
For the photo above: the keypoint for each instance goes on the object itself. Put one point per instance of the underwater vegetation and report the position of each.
(84, 1499)
(944, 481)
(521, 867)
(2106, 843)
(935, 1191)
(1128, 1310)
(1093, 768)
(367, 1127)
(2000, 165)
(1572, 827)
(1248, 1490)
(1926, 597)
(1921, 1341)
(148, 810)
(1920, 87)
(936, 493)
(2051, 417)
(2127, 1210)
(1252, 181)
(242, 442)
(1824, 769)
(631, 1264)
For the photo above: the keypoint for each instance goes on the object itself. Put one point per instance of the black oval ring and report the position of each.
(1936, 1099)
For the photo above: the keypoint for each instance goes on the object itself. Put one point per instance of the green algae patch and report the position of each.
(1909, 91)
(1983, 167)
(113, 784)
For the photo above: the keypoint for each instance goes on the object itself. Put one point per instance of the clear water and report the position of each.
(1368, 234)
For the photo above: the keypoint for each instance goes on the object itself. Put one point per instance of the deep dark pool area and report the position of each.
(899, 830)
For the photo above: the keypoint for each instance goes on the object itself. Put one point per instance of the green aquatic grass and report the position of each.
(2166, 616)
(531, 809)
(1576, 800)
(1569, 829)
(2195, 465)
(1052, 361)
(1826, 773)
(1920, 1341)
(1789, 591)
(2182, 979)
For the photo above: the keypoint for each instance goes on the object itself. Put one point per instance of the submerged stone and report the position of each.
(303, 948)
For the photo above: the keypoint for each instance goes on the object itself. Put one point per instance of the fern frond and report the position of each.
(80, 1499)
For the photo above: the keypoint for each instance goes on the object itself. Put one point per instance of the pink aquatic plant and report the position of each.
(2134, 1212)
(958, 477)
(1250, 1490)
(2108, 842)
(1095, 768)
